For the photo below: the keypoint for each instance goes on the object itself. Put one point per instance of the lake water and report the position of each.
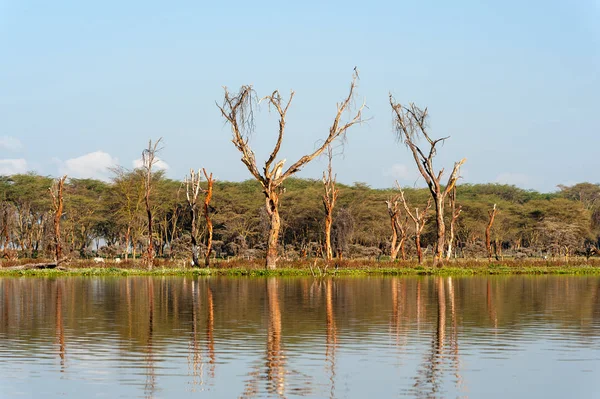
(362, 337)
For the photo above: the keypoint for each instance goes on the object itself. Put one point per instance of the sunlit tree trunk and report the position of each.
(329, 199)
(488, 229)
(209, 225)
(454, 214)
(274, 226)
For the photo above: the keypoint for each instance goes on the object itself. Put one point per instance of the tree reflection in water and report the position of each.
(331, 340)
(150, 387)
(195, 360)
(428, 382)
(275, 355)
(60, 329)
(288, 336)
(274, 359)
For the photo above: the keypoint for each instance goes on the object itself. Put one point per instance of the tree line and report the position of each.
(109, 219)
(141, 212)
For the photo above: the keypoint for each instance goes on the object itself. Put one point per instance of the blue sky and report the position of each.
(84, 85)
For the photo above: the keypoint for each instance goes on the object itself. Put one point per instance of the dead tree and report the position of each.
(419, 220)
(454, 213)
(209, 225)
(56, 191)
(238, 111)
(192, 189)
(488, 230)
(149, 159)
(399, 233)
(329, 198)
(410, 124)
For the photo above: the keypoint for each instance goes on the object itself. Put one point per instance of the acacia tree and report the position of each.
(419, 220)
(398, 229)
(454, 214)
(410, 124)
(329, 199)
(128, 197)
(56, 191)
(149, 159)
(488, 229)
(238, 110)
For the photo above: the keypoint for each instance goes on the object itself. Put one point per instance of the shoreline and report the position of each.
(367, 269)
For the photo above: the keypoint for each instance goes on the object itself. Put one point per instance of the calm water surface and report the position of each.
(368, 337)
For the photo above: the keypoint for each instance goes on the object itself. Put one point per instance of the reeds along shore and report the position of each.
(320, 268)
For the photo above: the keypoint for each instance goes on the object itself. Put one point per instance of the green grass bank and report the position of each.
(309, 268)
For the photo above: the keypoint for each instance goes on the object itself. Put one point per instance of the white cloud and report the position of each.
(518, 179)
(158, 164)
(10, 143)
(12, 166)
(94, 165)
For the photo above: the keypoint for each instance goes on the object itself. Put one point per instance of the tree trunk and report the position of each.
(195, 262)
(209, 225)
(328, 249)
(403, 248)
(274, 226)
(150, 252)
(395, 248)
(56, 191)
(438, 257)
(127, 234)
(488, 230)
(418, 245)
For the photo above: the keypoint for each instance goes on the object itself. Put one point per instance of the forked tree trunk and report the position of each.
(418, 245)
(454, 214)
(419, 219)
(238, 111)
(398, 230)
(148, 161)
(329, 200)
(411, 122)
(274, 226)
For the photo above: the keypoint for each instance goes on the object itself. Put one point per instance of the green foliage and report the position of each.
(528, 223)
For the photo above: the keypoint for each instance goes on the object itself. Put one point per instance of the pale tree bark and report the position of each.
(329, 199)
(492, 214)
(238, 111)
(56, 191)
(399, 233)
(410, 124)
(454, 214)
(419, 219)
(149, 159)
(209, 225)
(192, 189)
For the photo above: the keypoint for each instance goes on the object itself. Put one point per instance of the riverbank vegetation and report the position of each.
(318, 268)
(107, 220)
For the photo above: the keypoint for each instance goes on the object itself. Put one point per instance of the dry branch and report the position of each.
(410, 123)
(238, 110)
